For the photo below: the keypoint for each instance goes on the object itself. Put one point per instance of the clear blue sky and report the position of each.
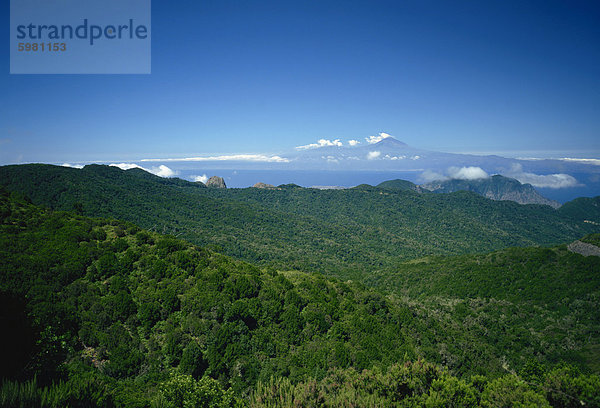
(263, 77)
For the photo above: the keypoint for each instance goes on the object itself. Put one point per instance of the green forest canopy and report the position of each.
(346, 233)
(128, 317)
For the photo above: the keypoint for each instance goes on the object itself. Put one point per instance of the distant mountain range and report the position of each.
(392, 154)
(497, 187)
(561, 179)
(385, 154)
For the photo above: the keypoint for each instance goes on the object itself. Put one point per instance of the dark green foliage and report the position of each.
(593, 239)
(543, 300)
(538, 275)
(346, 233)
(418, 384)
(79, 392)
(19, 339)
(132, 311)
(422, 384)
(144, 318)
(184, 391)
(583, 209)
(192, 360)
(149, 314)
(511, 391)
(398, 184)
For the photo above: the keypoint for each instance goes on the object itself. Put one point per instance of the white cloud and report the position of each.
(430, 175)
(203, 178)
(467, 173)
(161, 171)
(353, 142)
(376, 139)
(457, 173)
(330, 159)
(595, 162)
(558, 180)
(127, 166)
(388, 157)
(75, 166)
(230, 157)
(373, 155)
(321, 143)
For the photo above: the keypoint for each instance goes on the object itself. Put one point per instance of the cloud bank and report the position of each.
(467, 173)
(373, 155)
(378, 138)
(230, 157)
(353, 142)
(321, 143)
(75, 166)
(455, 173)
(161, 171)
(203, 178)
(595, 162)
(558, 180)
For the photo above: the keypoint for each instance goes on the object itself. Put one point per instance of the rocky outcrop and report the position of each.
(216, 182)
(583, 248)
(263, 185)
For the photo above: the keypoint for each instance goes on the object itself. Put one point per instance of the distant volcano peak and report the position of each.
(390, 141)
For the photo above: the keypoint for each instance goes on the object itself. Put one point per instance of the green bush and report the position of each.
(182, 391)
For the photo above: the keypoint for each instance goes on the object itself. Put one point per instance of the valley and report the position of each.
(261, 292)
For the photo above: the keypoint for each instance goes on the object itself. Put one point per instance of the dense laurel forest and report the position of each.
(104, 313)
(531, 301)
(343, 233)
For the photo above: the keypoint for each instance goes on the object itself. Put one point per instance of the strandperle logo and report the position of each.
(84, 31)
(80, 37)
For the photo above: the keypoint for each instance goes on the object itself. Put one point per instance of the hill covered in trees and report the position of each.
(543, 300)
(107, 314)
(345, 233)
(496, 187)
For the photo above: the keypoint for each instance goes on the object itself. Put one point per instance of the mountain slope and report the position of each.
(342, 232)
(398, 184)
(496, 187)
(122, 314)
(537, 286)
(130, 304)
(586, 209)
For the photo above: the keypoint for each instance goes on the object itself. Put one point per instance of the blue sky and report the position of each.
(518, 77)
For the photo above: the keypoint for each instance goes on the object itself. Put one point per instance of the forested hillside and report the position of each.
(345, 233)
(542, 300)
(583, 208)
(107, 314)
